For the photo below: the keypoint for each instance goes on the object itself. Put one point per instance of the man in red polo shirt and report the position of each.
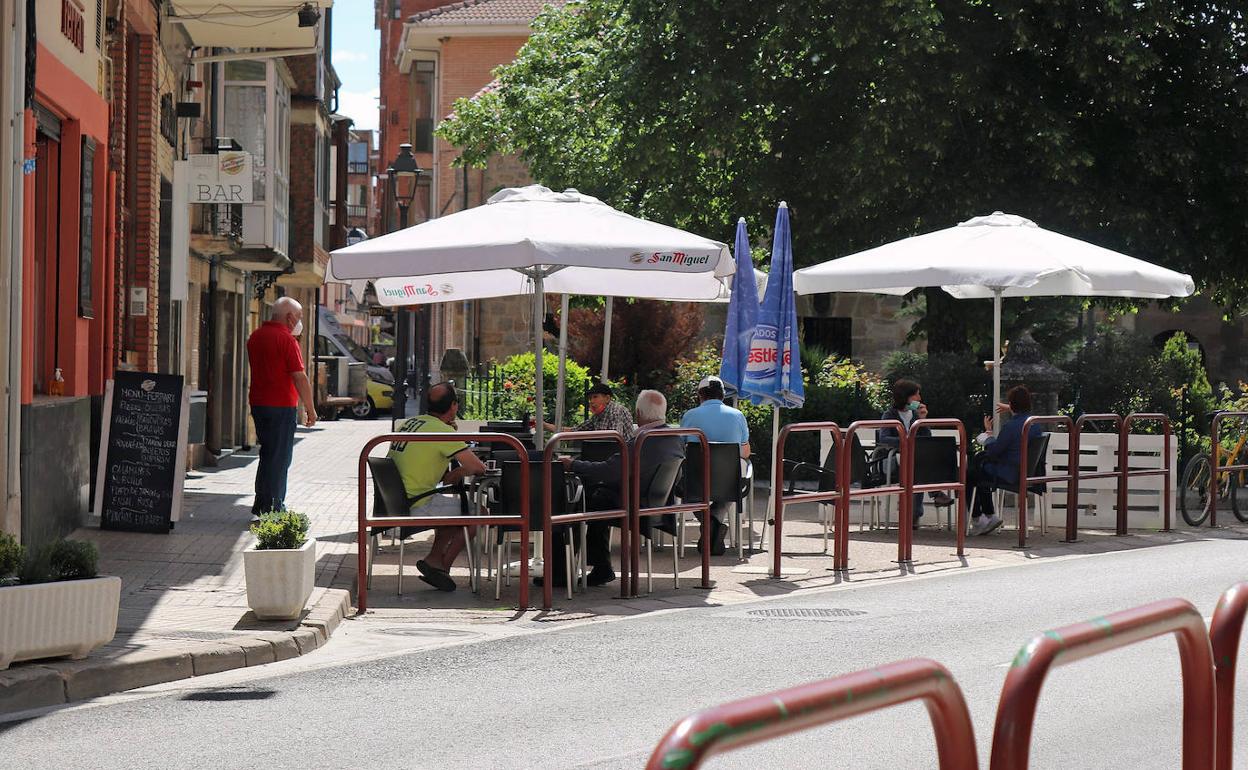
(278, 381)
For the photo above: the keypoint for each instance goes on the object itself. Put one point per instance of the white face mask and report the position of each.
(298, 328)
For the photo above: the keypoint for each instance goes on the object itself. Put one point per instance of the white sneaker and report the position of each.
(989, 523)
(977, 525)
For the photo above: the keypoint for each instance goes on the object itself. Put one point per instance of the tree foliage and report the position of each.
(1118, 122)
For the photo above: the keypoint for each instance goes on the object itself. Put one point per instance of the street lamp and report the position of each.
(355, 235)
(402, 177)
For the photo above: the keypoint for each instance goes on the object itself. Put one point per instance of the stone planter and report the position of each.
(279, 581)
(68, 617)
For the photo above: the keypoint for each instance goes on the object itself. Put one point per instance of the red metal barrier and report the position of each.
(779, 498)
(694, 739)
(905, 540)
(1164, 471)
(1224, 633)
(1077, 475)
(1025, 481)
(1011, 740)
(848, 494)
(704, 506)
(364, 521)
(1213, 462)
(549, 522)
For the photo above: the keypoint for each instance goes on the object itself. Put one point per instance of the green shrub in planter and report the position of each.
(284, 530)
(12, 555)
(37, 567)
(72, 560)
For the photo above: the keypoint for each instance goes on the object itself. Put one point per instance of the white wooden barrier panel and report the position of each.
(1098, 498)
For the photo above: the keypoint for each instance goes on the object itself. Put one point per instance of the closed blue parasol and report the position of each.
(742, 314)
(773, 373)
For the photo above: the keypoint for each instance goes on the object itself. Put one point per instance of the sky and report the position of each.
(355, 49)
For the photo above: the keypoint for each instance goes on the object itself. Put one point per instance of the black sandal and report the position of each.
(438, 578)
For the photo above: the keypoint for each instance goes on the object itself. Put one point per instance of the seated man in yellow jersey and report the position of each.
(425, 464)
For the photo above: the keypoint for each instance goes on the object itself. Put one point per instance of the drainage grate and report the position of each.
(805, 613)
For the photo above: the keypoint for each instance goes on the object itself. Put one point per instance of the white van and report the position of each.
(333, 341)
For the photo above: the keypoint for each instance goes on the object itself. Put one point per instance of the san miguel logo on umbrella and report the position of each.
(412, 290)
(678, 258)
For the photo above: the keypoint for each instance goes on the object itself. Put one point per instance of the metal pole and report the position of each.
(561, 393)
(538, 566)
(996, 358)
(402, 342)
(606, 340)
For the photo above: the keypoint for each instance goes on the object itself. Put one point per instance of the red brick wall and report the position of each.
(302, 190)
(146, 214)
(394, 84)
(467, 66)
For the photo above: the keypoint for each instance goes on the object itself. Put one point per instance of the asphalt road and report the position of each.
(600, 695)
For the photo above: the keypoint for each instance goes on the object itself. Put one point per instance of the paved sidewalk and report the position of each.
(184, 612)
(183, 597)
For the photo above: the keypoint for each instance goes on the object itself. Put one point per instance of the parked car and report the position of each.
(380, 399)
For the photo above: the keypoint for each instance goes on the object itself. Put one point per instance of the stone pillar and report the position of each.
(454, 366)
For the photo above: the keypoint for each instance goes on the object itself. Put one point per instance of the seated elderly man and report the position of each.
(721, 424)
(602, 483)
(425, 464)
(605, 413)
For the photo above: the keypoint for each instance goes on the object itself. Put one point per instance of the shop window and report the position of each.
(86, 230)
(422, 106)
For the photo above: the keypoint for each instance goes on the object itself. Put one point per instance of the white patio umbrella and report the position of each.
(538, 234)
(488, 284)
(1001, 255)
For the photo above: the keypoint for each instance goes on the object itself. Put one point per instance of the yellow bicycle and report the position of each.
(1195, 485)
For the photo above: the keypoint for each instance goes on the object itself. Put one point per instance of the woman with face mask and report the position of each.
(907, 407)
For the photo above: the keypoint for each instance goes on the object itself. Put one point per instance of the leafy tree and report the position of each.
(1118, 122)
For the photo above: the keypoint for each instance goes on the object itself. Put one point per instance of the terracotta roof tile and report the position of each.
(483, 12)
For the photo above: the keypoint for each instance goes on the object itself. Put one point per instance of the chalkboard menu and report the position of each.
(142, 452)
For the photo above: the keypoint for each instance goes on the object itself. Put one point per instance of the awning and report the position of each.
(249, 24)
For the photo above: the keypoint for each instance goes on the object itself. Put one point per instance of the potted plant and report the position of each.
(52, 603)
(281, 568)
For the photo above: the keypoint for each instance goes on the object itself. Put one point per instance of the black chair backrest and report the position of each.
(509, 503)
(935, 459)
(389, 494)
(597, 450)
(827, 476)
(857, 461)
(1037, 456)
(497, 426)
(662, 483)
(725, 472)
(519, 431)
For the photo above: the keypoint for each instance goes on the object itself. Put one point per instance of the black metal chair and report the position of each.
(390, 498)
(597, 450)
(728, 485)
(509, 502)
(657, 495)
(1037, 463)
(826, 477)
(936, 462)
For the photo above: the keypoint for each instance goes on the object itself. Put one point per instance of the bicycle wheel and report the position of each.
(1194, 491)
(1236, 483)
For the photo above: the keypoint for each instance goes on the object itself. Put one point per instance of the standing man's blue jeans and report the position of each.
(275, 429)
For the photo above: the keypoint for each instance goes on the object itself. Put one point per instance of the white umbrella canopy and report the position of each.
(489, 284)
(1001, 255)
(537, 234)
(1001, 252)
(530, 227)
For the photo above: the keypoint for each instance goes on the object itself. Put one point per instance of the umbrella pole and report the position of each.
(606, 340)
(996, 359)
(775, 441)
(539, 428)
(561, 387)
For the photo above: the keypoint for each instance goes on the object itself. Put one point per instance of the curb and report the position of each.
(59, 682)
